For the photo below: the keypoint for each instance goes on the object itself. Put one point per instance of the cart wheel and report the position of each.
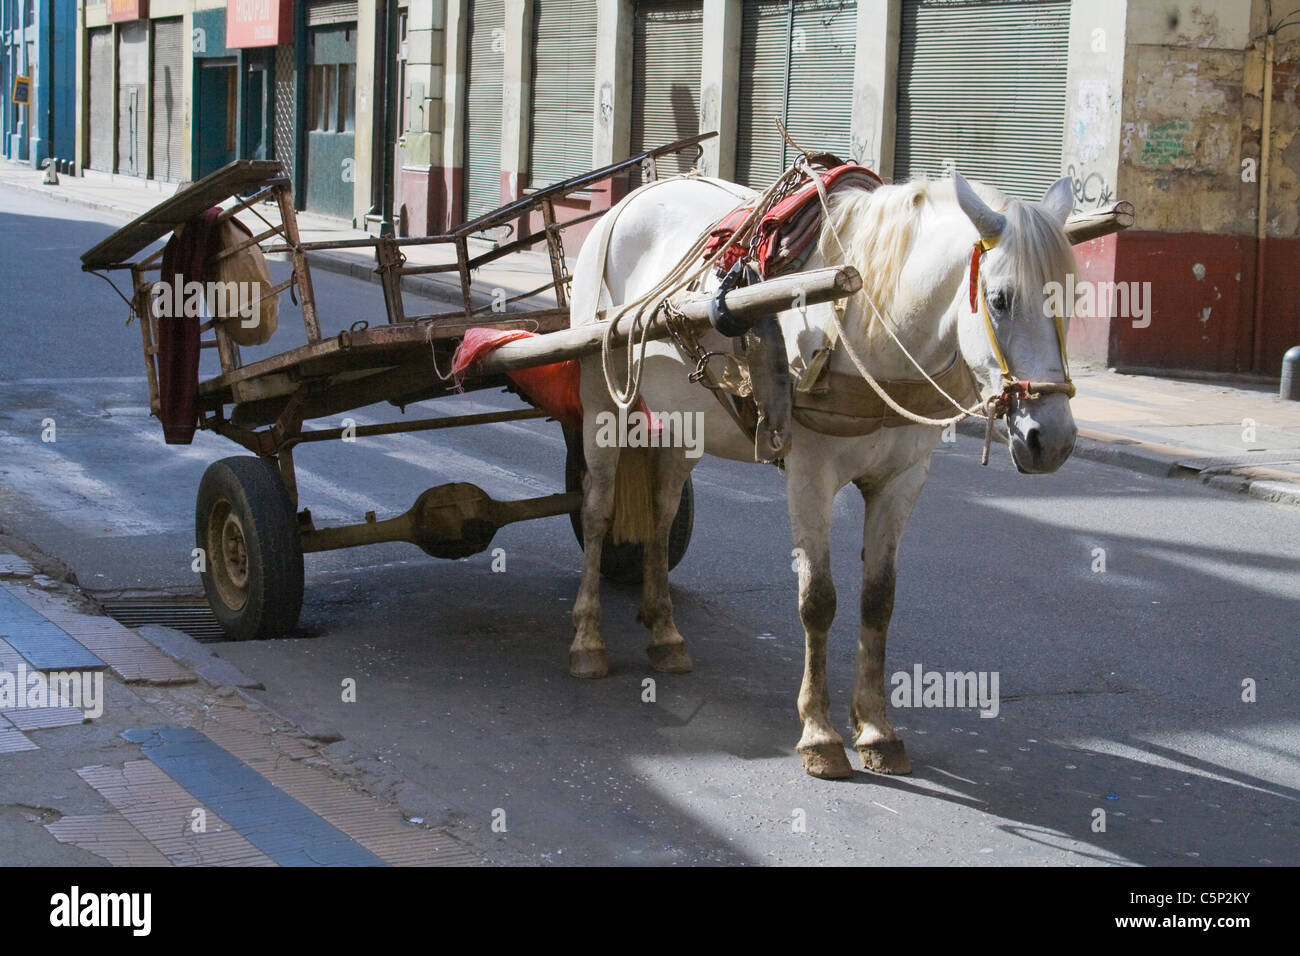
(247, 528)
(623, 563)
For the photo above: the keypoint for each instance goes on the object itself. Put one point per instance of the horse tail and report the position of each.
(634, 496)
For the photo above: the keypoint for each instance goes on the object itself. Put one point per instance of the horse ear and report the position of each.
(989, 223)
(1059, 199)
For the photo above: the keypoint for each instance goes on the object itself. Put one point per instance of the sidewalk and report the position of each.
(1230, 437)
(141, 748)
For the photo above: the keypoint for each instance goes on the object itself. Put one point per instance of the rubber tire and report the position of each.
(625, 563)
(258, 498)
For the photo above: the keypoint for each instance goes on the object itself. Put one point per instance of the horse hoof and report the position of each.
(588, 664)
(670, 658)
(826, 761)
(885, 756)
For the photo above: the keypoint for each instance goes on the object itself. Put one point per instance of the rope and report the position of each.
(680, 277)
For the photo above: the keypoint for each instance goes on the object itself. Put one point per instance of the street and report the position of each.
(1128, 618)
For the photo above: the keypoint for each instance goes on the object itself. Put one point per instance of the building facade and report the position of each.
(39, 44)
(418, 115)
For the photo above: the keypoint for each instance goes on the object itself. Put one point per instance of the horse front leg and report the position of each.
(821, 748)
(587, 652)
(667, 650)
(888, 509)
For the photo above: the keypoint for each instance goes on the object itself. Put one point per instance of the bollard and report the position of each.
(1290, 390)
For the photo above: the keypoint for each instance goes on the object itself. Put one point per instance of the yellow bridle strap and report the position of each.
(1009, 381)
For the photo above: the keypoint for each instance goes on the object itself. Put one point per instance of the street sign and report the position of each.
(22, 90)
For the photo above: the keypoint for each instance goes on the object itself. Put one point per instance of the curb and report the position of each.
(1162, 461)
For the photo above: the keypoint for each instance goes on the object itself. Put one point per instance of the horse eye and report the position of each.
(998, 300)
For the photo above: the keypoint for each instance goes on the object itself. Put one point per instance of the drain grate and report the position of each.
(194, 617)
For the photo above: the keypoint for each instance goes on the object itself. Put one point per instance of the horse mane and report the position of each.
(874, 232)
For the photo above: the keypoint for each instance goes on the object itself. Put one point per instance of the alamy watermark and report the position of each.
(637, 429)
(922, 688)
(30, 689)
(180, 299)
(1091, 300)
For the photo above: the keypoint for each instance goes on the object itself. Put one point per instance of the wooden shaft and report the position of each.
(1100, 222)
(774, 295)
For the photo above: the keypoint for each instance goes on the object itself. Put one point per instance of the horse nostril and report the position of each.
(1034, 442)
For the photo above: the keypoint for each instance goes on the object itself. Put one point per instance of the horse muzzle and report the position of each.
(1042, 433)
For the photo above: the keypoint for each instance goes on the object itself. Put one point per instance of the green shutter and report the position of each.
(982, 86)
(168, 99)
(483, 102)
(796, 65)
(667, 46)
(564, 90)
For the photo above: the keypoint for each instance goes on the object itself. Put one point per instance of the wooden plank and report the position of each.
(151, 226)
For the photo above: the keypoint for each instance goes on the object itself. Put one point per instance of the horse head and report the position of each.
(1012, 319)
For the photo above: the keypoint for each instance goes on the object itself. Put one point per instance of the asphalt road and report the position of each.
(1120, 689)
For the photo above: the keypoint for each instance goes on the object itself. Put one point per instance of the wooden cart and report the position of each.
(249, 523)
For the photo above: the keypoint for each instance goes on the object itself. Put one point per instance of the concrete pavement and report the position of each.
(1226, 434)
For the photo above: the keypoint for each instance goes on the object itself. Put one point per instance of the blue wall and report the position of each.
(48, 126)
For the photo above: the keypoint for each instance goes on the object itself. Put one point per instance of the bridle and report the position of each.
(1011, 386)
(1013, 389)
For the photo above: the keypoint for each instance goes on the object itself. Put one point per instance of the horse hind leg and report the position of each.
(587, 652)
(667, 649)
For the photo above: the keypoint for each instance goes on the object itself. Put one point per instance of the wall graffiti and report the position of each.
(1091, 191)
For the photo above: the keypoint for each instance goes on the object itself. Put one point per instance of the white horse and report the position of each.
(912, 243)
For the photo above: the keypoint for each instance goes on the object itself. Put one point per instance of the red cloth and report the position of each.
(184, 260)
(554, 388)
(773, 255)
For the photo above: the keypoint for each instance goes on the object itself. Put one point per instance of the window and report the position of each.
(347, 97)
(331, 98)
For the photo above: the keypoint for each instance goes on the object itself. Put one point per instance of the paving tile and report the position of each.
(41, 642)
(162, 812)
(110, 836)
(382, 830)
(132, 658)
(269, 818)
(13, 741)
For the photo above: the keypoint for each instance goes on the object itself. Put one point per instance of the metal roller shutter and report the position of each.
(667, 45)
(101, 99)
(483, 103)
(796, 65)
(168, 99)
(982, 87)
(132, 96)
(286, 108)
(564, 89)
(323, 13)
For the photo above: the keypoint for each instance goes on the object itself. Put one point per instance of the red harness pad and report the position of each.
(789, 227)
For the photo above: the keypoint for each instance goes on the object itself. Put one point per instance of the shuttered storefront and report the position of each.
(564, 89)
(666, 51)
(796, 65)
(324, 13)
(487, 22)
(101, 99)
(982, 87)
(132, 97)
(329, 154)
(168, 99)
